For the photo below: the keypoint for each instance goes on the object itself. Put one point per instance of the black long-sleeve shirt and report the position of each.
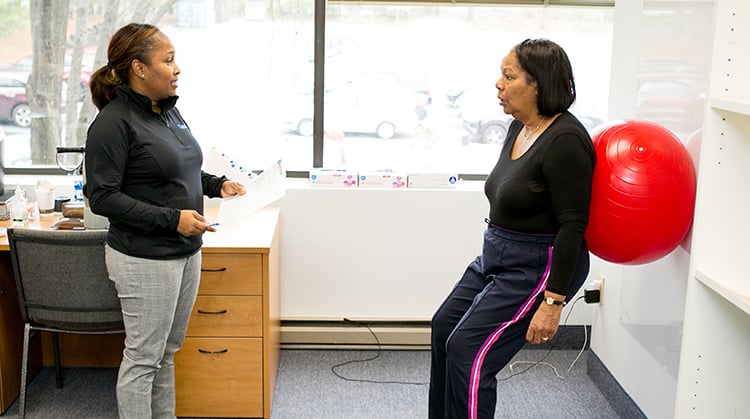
(141, 169)
(547, 191)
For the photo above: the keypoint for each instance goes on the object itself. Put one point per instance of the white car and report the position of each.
(369, 108)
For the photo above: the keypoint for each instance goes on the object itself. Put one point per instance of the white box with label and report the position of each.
(433, 180)
(330, 178)
(382, 179)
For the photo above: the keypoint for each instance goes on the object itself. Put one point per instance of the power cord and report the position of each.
(372, 358)
(510, 366)
(552, 346)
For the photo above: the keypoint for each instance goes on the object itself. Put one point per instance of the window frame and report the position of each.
(319, 22)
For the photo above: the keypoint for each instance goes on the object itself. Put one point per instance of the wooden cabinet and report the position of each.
(227, 366)
(11, 335)
(714, 365)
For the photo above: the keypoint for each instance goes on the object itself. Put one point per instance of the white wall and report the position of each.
(637, 329)
(375, 253)
(378, 254)
(370, 254)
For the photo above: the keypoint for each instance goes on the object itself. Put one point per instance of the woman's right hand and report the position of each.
(192, 223)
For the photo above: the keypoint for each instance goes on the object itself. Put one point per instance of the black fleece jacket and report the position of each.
(141, 169)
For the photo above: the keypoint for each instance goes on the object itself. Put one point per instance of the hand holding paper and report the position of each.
(260, 191)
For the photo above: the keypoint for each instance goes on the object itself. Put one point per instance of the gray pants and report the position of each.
(157, 297)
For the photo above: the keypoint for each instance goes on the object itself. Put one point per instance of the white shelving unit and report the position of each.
(714, 375)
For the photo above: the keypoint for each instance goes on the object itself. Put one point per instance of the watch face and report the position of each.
(552, 301)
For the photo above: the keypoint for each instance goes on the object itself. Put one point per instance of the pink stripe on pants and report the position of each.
(476, 367)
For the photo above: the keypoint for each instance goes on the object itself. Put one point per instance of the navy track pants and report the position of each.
(482, 323)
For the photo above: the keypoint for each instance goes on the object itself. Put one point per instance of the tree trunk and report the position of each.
(141, 9)
(114, 17)
(48, 29)
(106, 30)
(161, 11)
(74, 75)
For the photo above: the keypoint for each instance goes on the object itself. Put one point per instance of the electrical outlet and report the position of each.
(599, 283)
(594, 291)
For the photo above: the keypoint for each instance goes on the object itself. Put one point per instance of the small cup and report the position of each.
(59, 201)
(45, 199)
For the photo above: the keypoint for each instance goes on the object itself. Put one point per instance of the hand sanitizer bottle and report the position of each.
(18, 212)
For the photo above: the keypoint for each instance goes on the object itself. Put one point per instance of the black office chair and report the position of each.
(63, 287)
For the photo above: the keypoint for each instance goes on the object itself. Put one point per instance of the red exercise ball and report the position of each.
(643, 192)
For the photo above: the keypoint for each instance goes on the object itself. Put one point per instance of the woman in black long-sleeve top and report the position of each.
(534, 256)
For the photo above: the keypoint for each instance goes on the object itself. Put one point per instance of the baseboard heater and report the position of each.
(355, 334)
(394, 335)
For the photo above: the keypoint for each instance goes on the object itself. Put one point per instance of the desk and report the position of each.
(254, 338)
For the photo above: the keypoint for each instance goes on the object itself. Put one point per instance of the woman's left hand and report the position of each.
(545, 322)
(231, 188)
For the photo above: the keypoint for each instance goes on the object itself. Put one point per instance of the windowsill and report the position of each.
(63, 185)
(462, 185)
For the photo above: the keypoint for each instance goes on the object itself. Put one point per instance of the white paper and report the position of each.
(260, 191)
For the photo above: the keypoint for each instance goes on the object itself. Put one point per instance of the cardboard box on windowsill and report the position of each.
(432, 180)
(382, 179)
(332, 178)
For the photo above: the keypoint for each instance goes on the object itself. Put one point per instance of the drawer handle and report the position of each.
(220, 351)
(213, 270)
(212, 312)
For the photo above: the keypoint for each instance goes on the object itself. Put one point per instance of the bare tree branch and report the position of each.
(73, 93)
(48, 27)
(106, 29)
(160, 12)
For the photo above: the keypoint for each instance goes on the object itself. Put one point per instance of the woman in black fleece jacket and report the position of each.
(143, 172)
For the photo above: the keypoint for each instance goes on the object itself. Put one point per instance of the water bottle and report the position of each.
(78, 191)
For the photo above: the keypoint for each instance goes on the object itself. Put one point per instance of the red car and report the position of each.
(14, 105)
(24, 66)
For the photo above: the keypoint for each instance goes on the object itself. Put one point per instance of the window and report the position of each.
(407, 87)
(448, 59)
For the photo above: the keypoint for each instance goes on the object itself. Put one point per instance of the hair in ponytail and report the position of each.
(133, 41)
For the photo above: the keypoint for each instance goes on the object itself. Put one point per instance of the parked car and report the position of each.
(87, 65)
(412, 78)
(23, 66)
(490, 129)
(14, 104)
(482, 115)
(347, 63)
(590, 122)
(359, 107)
(493, 128)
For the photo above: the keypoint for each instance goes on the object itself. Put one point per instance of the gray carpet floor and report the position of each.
(391, 386)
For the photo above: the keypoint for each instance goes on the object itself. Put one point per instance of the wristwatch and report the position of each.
(552, 302)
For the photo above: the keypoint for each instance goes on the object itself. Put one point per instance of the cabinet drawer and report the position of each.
(219, 378)
(231, 274)
(215, 316)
